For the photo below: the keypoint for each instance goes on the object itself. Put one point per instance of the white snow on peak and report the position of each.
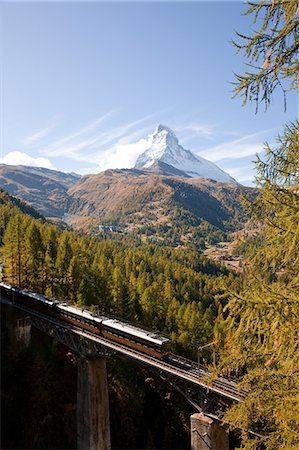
(165, 147)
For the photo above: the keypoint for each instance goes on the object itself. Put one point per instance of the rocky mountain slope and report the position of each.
(165, 152)
(158, 206)
(45, 189)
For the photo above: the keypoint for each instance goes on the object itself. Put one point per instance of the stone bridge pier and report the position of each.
(93, 422)
(93, 428)
(207, 434)
(23, 330)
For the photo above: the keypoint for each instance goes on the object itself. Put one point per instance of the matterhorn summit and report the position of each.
(167, 156)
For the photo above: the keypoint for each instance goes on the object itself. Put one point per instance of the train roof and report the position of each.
(8, 286)
(81, 312)
(116, 324)
(78, 311)
(134, 331)
(37, 296)
(26, 292)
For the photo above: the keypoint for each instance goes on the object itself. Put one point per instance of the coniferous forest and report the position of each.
(178, 292)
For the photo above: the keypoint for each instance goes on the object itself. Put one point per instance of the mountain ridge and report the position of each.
(45, 189)
(171, 209)
(166, 208)
(164, 148)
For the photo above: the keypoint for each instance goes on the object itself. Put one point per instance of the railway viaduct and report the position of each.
(208, 396)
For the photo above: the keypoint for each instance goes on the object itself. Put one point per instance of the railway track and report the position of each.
(203, 374)
(173, 364)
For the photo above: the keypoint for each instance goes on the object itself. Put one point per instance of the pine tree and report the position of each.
(50, 272)
(63, 259)
(74, 277)
(102, 279)
(34, 251)
(263, 333)
(261, 342)
(272, 51)
(13, 250)
(120, 292)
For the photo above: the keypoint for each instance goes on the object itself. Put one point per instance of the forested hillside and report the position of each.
(178, 292)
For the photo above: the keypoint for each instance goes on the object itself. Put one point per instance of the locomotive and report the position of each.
(115, 330)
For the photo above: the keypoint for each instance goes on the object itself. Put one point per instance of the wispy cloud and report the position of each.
(85, 131)
(243, 174)
(20, 158)
(102, 144)
(37, 136)
(122, 156)
(124, 152)
(238, 148)
(192, 130)
(89, 144)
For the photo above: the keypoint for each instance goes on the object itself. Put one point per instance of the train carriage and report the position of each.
(135, 337)
(113, 329)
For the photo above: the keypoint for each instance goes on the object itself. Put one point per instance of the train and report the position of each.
(110, 328)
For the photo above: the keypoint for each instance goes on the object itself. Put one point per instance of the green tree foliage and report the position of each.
(13, 250)
(175, 291)
(34, 254)
(271, 51)
(262, 325)
(260, 333)
(63, 260)
(49, 267)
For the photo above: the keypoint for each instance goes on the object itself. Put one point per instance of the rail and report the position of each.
(173, 364)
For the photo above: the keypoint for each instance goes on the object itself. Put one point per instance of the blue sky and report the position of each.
(85, 84)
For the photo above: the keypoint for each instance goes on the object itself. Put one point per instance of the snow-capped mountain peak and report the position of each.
(164, 147)
(164, 136)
